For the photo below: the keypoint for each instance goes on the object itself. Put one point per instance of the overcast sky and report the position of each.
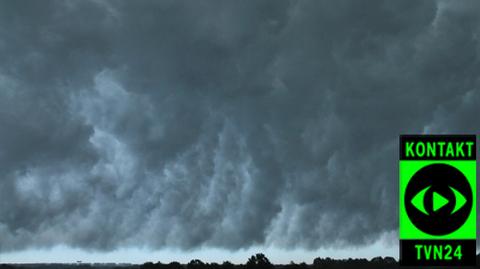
(136, 127)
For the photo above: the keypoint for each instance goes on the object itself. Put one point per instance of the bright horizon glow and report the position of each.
(63, 254)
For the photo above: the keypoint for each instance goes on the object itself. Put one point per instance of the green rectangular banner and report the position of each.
(437, 200)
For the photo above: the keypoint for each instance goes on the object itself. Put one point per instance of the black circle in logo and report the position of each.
(438, 199)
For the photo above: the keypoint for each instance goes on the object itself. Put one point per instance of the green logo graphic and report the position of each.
(438, 201)
(439, 204)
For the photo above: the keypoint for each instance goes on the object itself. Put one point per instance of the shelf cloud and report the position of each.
(223, 124)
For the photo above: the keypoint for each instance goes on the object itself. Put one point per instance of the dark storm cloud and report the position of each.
(221, 123)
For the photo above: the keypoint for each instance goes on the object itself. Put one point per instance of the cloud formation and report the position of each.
(221, 123)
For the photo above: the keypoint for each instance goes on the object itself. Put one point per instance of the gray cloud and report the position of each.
(222, 124)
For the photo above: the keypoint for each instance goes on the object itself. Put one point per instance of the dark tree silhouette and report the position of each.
(196, 264)
(214, 265)
(174, 265)
(227, 265)
(293, 265)
(259, 261)
(148, 265)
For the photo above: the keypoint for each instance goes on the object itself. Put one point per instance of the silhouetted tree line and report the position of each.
(257, 261)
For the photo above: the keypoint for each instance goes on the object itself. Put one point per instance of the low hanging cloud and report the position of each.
(221, 123)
